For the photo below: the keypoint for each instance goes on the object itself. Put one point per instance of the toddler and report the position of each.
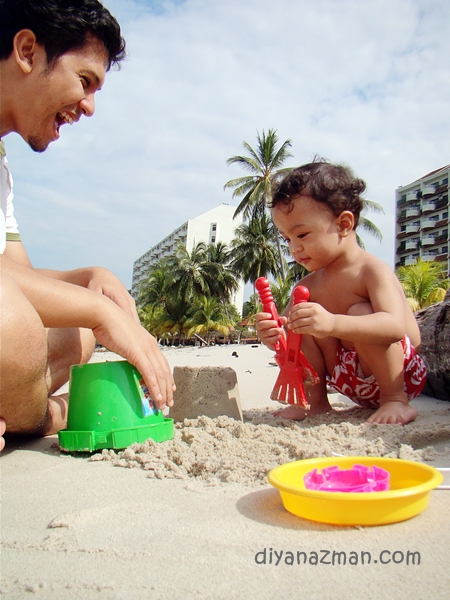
(359, 332)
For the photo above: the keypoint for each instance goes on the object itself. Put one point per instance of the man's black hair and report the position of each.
(60, 26)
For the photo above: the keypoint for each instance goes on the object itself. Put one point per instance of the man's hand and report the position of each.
(121, 333)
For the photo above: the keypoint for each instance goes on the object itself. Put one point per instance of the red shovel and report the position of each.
(263, 288)
(296, 372)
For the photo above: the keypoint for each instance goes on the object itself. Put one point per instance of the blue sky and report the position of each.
(365, 82)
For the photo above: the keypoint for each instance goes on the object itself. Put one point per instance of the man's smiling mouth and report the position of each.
(64, 117)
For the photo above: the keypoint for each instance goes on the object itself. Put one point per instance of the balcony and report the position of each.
(409, 260)
(441, 239)
(428, 256)
(442, 202)
(411, 196)
(410, 245)
(428, 223)
(428, 206)
(428, 240)
(412, 212)
(412, 229)
(428, 190)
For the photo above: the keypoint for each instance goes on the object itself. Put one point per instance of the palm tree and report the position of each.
(209, 314)
(254, 249)
(188, 277)
(168, 321)
(366, 224)
(424, 283)
(281, 291)
(224, 279)
(264, 165)
(153, 290)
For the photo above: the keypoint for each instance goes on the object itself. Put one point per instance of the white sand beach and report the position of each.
(79, 526)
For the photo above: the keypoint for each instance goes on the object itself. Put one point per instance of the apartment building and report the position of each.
(422, 219)
(216, 225)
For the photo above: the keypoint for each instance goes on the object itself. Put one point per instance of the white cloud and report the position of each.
(364, 83)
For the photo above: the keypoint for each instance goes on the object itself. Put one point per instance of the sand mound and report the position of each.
(223, 450)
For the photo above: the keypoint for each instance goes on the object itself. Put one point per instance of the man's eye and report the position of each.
(86, 82)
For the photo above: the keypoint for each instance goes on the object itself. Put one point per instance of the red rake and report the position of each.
(263, 288)
(296, 372)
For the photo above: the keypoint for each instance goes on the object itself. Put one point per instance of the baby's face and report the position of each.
(311, 230)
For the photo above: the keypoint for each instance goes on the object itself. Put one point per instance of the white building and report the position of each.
(422, 219)
(216, 225)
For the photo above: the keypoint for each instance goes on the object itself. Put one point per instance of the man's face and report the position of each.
(63, 93)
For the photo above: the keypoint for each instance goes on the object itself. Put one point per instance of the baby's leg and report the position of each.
(386, 364)
(318, 356)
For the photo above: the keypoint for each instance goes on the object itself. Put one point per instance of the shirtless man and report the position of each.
(53, 59)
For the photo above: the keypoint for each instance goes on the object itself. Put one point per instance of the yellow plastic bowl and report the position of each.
(409, 493)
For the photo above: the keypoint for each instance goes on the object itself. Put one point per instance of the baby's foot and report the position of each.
(393, 413)
(298, 413)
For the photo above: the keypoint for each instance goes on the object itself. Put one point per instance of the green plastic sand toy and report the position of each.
(110, 407)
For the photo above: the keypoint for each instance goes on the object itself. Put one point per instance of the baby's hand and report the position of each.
(311, 318)
(268, 330)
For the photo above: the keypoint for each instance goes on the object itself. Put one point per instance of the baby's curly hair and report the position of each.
(334, 185)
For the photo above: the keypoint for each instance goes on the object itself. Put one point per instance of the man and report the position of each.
(54, 55)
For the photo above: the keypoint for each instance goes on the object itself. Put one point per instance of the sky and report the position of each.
(361, 82)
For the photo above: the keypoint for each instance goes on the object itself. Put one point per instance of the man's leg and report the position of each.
(35, 363)
(66, 347)
(23, 362)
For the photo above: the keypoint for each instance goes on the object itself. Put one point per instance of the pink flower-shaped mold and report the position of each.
(357, 479)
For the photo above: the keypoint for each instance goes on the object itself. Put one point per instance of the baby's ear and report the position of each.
(345, 223)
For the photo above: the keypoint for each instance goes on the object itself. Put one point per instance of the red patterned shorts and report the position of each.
(348, 378)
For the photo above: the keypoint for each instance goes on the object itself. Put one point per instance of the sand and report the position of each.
(195, 517)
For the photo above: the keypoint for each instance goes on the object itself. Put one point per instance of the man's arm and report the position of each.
(96, 279)
(61, 304)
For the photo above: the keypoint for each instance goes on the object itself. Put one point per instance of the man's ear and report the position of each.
(345, 223)
(25, 47)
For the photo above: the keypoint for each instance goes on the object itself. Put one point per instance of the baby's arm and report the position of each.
(383, 324)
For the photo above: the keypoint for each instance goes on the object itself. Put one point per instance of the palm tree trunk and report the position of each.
(280, 254)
